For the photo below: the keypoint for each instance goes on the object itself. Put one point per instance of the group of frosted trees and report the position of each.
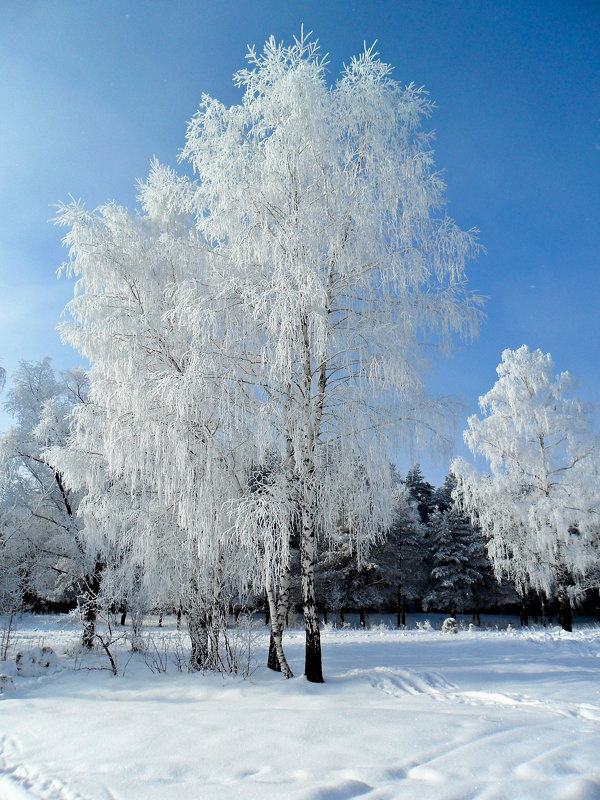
(258, 336)
(432, 558)
(48, 557)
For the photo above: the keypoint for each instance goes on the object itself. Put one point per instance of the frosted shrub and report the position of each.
(424, 626)
(380, 628)
(35, 662)
(6, 683)
(450, 626)
(239, 646)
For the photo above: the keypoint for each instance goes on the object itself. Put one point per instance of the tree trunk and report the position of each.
(137, 623)
(342, 617)
(533, 608)
(401, 616)
(89, 606)
(216, 619)
(89, 614)
(563, 581)
(546, 615)
(313, 668)
(565, 614)
(198, 631)
(324, 615)
(362, 617)
(278, 612)
(272, 657)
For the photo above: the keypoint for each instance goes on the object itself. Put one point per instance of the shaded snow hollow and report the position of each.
(485, 714)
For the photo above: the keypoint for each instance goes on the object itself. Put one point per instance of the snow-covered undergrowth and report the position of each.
(485, 714)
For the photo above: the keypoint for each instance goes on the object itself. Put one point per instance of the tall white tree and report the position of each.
(539, 506)
(291, 321)
(319, 206)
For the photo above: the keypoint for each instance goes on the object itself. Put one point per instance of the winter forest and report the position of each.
(215, 492)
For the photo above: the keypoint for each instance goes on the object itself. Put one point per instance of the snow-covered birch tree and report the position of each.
(539, 507)
(41, 546)
(320, 206)
(281, 307)
(161, 416)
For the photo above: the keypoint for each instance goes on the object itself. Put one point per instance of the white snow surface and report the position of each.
(488, 714)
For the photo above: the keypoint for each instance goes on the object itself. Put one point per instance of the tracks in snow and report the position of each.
(19, 781)
(400, 683)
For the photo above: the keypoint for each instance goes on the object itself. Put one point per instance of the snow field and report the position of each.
(488, 714)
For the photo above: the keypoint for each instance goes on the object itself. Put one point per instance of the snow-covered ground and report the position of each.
(486, 714)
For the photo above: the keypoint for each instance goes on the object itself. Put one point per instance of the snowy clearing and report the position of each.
(486, 714)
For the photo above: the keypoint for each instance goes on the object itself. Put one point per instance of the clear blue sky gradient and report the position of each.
(90, 91)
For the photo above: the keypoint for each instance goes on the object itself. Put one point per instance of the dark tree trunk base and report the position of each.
(89, 607)
(524, 616)
(272, 659)
(565, 614)
(313, 669)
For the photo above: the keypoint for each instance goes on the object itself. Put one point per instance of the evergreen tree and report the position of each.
(420, 491)
(345, 583)
(458, 563)
(402, 557)
(442, 498)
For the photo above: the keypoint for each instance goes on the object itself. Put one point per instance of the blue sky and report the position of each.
(90, 91)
